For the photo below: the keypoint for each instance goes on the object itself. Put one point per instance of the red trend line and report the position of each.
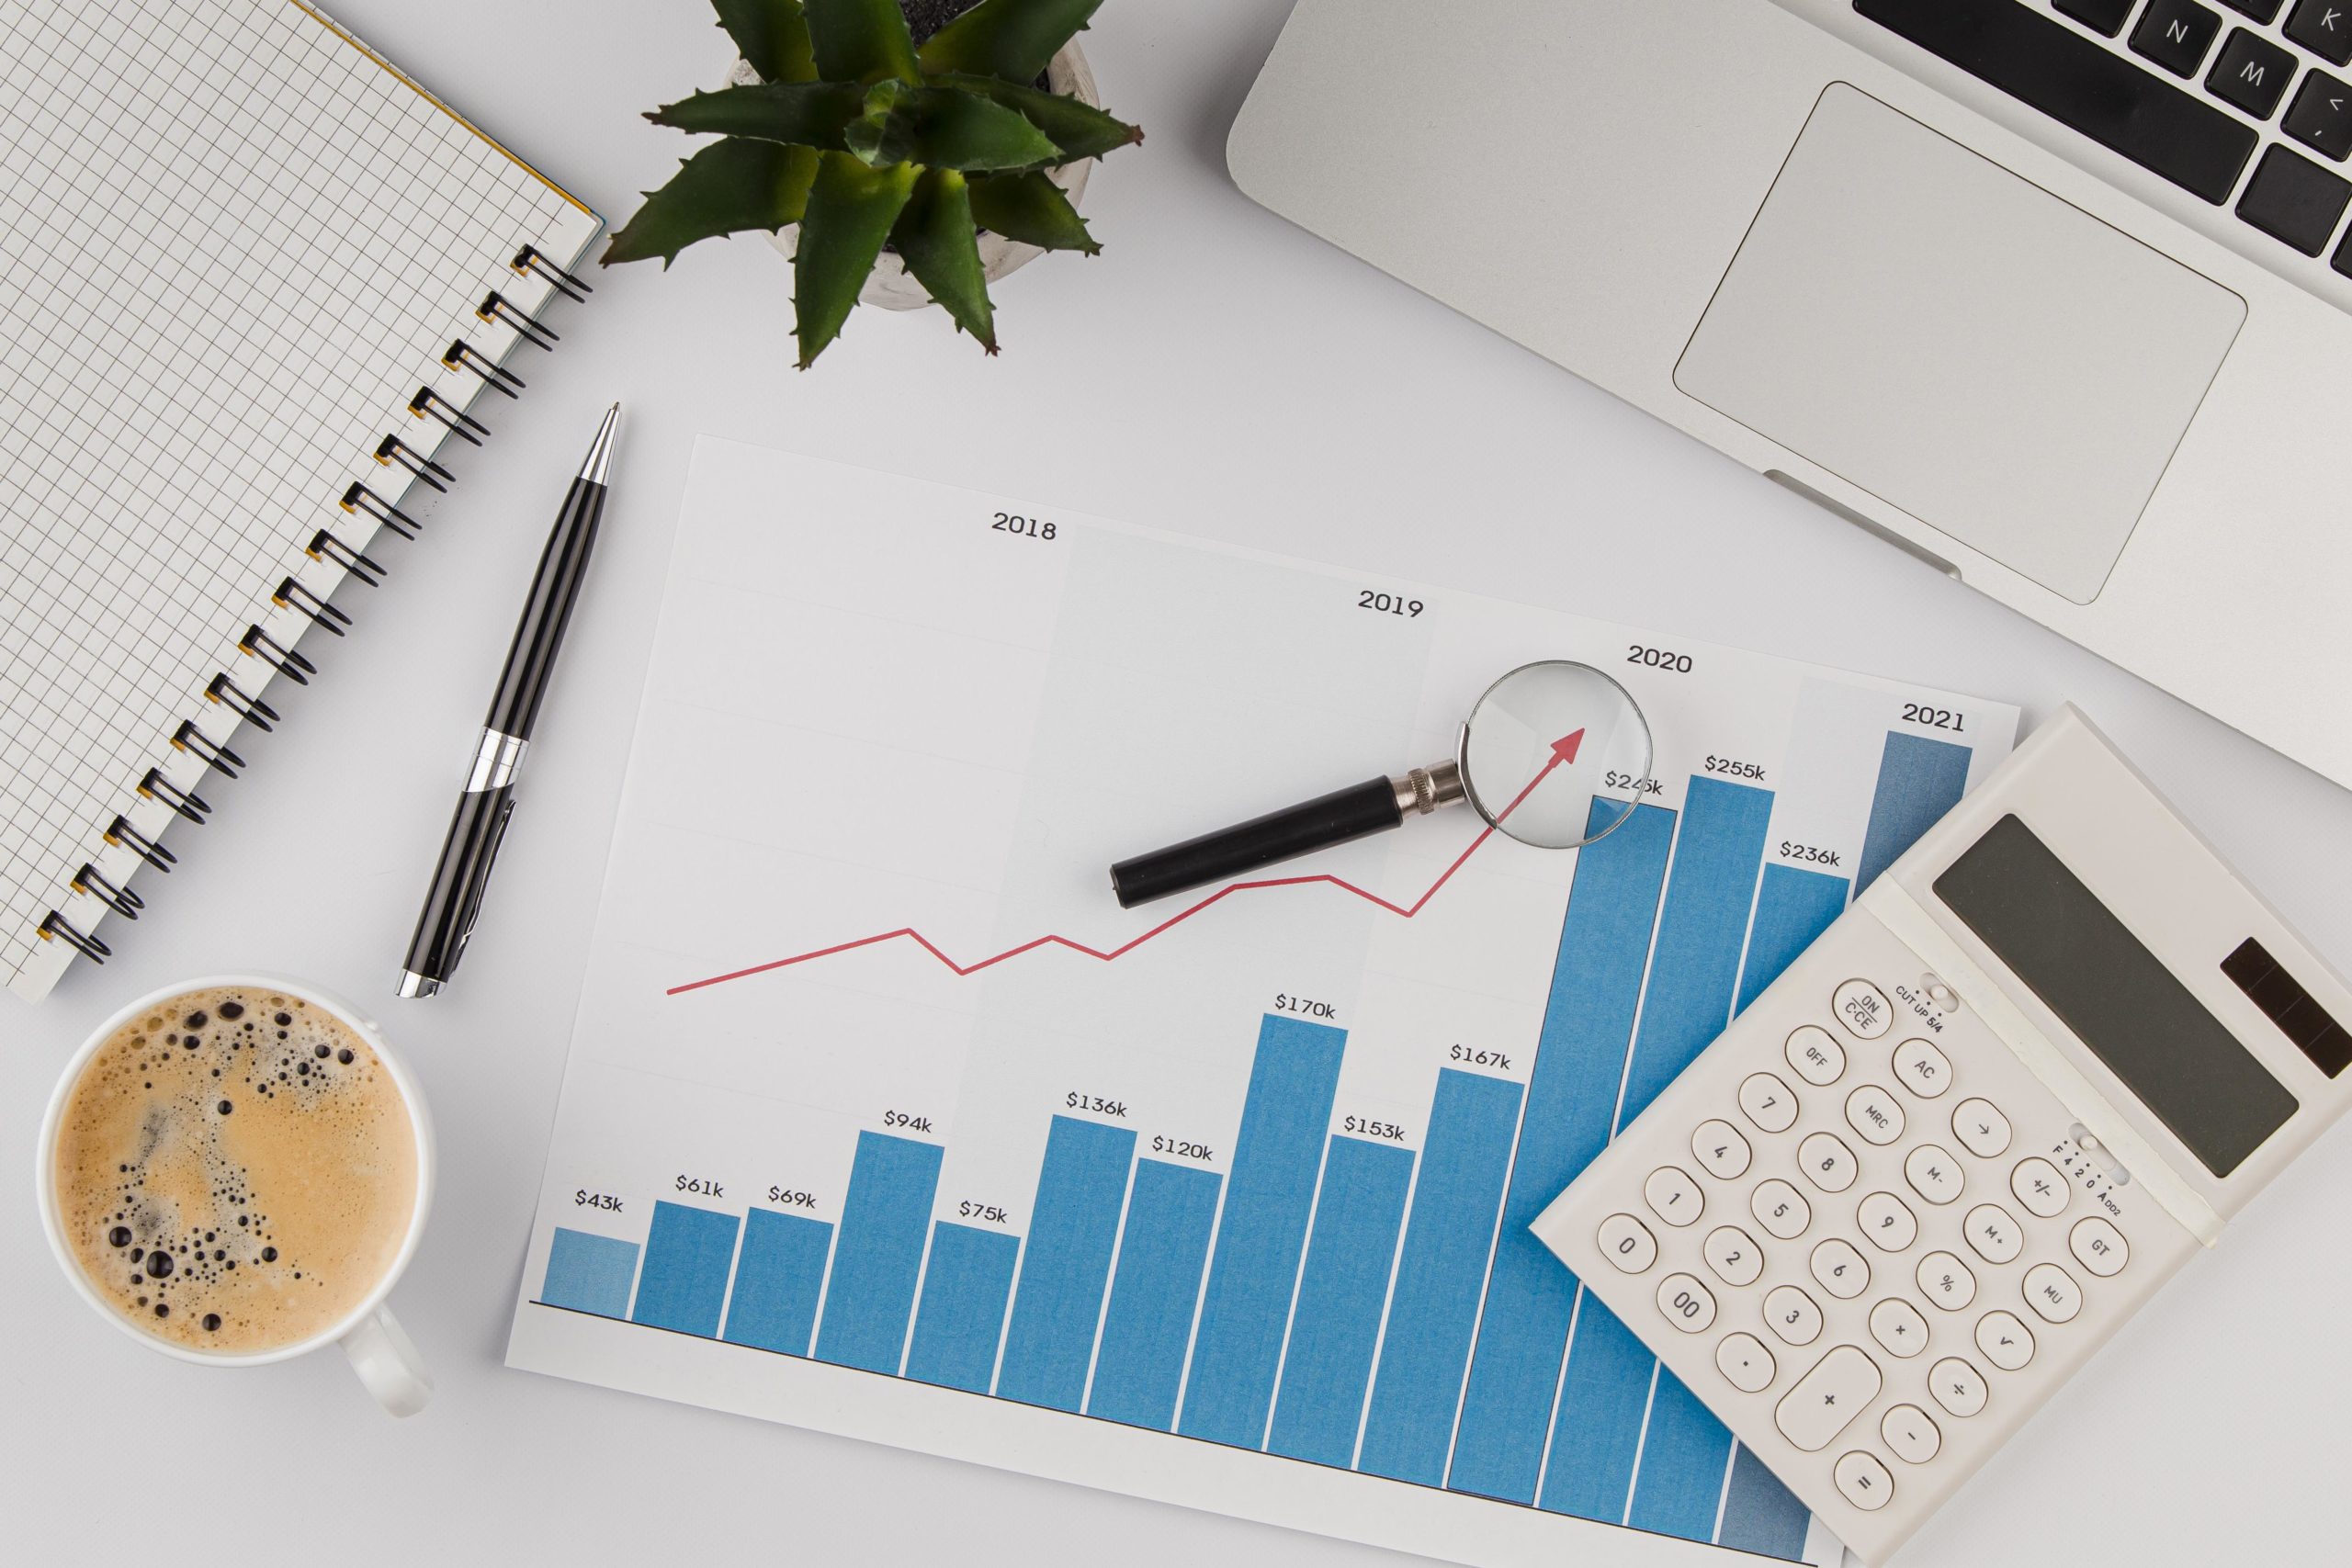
(1562, 750)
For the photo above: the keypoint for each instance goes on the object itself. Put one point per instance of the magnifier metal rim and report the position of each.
(1470, 782)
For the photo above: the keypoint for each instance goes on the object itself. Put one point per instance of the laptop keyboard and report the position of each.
(2193, 93)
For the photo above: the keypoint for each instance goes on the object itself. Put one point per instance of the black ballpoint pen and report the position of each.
(480, 824)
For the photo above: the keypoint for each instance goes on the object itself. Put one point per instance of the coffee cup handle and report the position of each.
(386, 1359)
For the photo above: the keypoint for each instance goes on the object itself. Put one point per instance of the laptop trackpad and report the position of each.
(1960, 342)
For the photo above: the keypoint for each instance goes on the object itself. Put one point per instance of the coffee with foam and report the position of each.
(236, 1169)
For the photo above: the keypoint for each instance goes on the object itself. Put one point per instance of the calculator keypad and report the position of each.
(1933, 1174)
(1981, 1128)
(1816, 1057)
(1627, 1243)
(1768, 1102)
(1673, 1196)
(1781, 1209)
(2040, 1187)
(1733, 1254)
(1720, 1149)
(1875, 1114)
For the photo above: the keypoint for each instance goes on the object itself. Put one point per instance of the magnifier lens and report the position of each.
(1539, 748)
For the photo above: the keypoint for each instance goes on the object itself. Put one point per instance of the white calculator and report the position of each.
(1933, 1168)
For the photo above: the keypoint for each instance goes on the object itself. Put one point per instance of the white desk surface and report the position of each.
(1215, 371)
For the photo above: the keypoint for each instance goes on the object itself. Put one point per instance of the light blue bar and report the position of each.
(1262, 1232)
(1434, 1311)
(1684, 1454)
(962, 1314)
(871, 1292)
(777, 1280)
(1792, 906)
(1571, 1095)
(1759, 1513)
(1918, 781)
(1590, 1470)
(1067, 1264)
(1149, 1320)
(687, 1254)
(1328, 1367)
(589, 1273)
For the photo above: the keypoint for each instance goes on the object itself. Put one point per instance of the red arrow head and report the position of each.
(1565, 747)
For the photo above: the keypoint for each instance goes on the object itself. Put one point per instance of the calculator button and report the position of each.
(1981, 1128)
(1826, 1163)
(2006, 1342)
(1922, 1069)
(1933, 1173)
(1768, 1102)
(1688, 1304)
(1781, 1209)
(1791, 1314)
(1897, 1326)
(1863, 1009)
(2039, 1187)
(1946, 1281)
(2052, 1291)
(1864, 1481)
(1994, 1234)
(1873, 1112)
(1957, 1386)
(1718, 1146)
(2100, 1248)
(1843, 1272)
(1816, 1054)
(1825, 1400)
(1733, 1254)
(1744, 1363)
(1627, 1243)
(1673, 1196)
(1887, 1223)
(1912, 1433)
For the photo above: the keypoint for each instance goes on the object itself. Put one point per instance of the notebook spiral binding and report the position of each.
(292, 593)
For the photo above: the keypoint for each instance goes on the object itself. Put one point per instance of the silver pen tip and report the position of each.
(599, 461)
(415, 985)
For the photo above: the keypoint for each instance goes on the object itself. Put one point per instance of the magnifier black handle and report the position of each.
(1372, 807)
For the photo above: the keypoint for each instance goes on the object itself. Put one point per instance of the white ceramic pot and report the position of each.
(890, 285)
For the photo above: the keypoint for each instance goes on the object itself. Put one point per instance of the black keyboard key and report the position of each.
(2253, 73)
(2293, 199)
(2323, 26)
(2175, 34)
(2321, 117)
(2100, 16)
(2047, 65)
(2344, 256)
(2260, 10)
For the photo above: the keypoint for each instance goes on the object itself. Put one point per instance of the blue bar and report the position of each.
(1793, 907)
(1149, 1320)
(687, 1254)
(1759, 1513)
(1067, 1264)
(1590, 1471)
(1341, 1291)
(589, 1273)
(1571, 1094)
(1434, 1311)
(1918, 781)
(777, 1280)
(1684, 1455)
(872, 1291)
(1695, 963)
(962, 1314)
(1265, 1229)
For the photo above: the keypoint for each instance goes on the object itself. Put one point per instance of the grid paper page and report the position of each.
(234, 244)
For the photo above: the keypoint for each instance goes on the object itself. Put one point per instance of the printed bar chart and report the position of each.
(1065, 1267)
(962, 1316)
(1154, 1293)
(878, 1256)
(777, 1281)
(590, 1273)
(687, 1255)
(1336, 1322)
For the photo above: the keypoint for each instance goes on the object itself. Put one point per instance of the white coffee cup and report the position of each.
(381, 1351)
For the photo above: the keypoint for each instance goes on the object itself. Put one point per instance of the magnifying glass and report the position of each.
(1535, 755)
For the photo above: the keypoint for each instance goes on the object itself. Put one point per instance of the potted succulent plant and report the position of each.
(898, 164)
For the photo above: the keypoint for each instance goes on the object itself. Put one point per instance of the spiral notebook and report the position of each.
(254, 281)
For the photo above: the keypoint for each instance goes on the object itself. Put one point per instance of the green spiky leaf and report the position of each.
(944, 128)
(725, 188)
(772, 35)
(1032, 209)
(1080, 129)
(860, 40)
(1007, 38)
(810, 114)
(852, 208)
(935, 238)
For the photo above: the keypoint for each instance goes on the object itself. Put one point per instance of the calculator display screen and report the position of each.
(2117, 997)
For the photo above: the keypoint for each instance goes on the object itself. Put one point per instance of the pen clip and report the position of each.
(478, 885)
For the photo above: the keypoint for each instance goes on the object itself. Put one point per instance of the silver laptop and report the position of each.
(2057, 294)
